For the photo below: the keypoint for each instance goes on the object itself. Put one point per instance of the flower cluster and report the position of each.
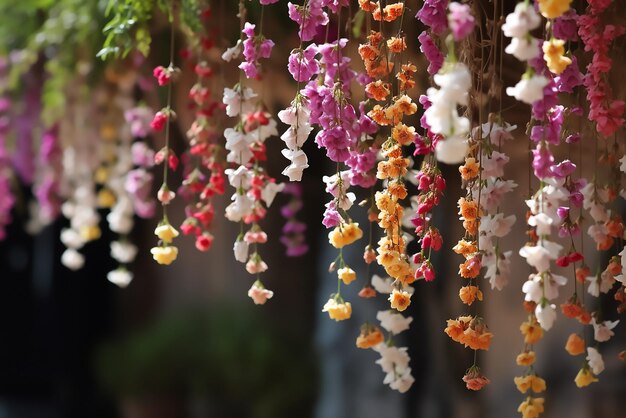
(604, 110)
(205, 179)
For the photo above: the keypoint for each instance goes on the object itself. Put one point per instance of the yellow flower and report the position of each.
(90, 232)
(531, 407)
(106, 198)
(338, 311)
(164, 255)
(346, 275)
(166, 233)
(345, 234)
(531, 381)
(101, 175)
(531, 331)
(553, 54)
(551, 9)
(584, 378)
(400, 299)
(527, 358)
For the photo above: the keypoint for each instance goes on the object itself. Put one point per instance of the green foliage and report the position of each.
(226, 353)
(127, 28)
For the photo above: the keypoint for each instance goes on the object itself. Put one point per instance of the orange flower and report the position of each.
(397, 190)
(471, 226)
(368, 52)
(367, 292)
(615, 228)
(474, 380)
(400, 300)
(531, 331)
(582, 273)
(470, 169)
(370, 336)
(584, 318)
(471, 332)
(571, 309)
(575, 345)
(396, 45)
(377, 90)
(615, 266)
(606, 244)
(455, 328)
(369, 255)
(367, 5)
(469, 294)
(470, 268)
(393, 11)
(468, 209)
(465, 248)
(377, 114)
(374, 38)
(527, 358)
(392, 150)
(379, 67)
(406, 105)
(403, 134)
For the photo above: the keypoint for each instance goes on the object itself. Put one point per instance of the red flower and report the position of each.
(204, 241)
(159, 121)
(162, 75)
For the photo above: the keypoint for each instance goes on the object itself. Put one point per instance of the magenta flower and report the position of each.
(433, 14)
(460, 20)
(433, 55)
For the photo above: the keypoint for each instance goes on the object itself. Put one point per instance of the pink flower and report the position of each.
(159, 121)
(162, 75)
(204, 241)
(259, 294)
(460, 20)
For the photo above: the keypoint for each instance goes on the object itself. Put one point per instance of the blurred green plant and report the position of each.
(231, 356)
(129, 26)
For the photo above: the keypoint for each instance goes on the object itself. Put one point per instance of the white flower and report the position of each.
(299, 162)
(259, 294)
(546, 315)
(595, 360)
(524, 49)
(533, 288)
(523, 20)
(262, 132)
(393, 322)
(123, 251)
(232, 52)
(537, 256)
(239, 177)
(455, 82)
(295, 138)
(494, 166)
(542, 222)
(402, 382)
(452, 150)
(382, 285)
(241, 207)
(622, 166)
(551, 285)
(120, 277)
(601, 284)
(603, 331)
(528, 90)
(71, 238)
(270, 191)
(392, 358)
(240, 249)
(498, 272)
(298, 115)
(238, 102)
(72, 259)
(238, 143)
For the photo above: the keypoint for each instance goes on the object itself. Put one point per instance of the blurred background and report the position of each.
(185, 340)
